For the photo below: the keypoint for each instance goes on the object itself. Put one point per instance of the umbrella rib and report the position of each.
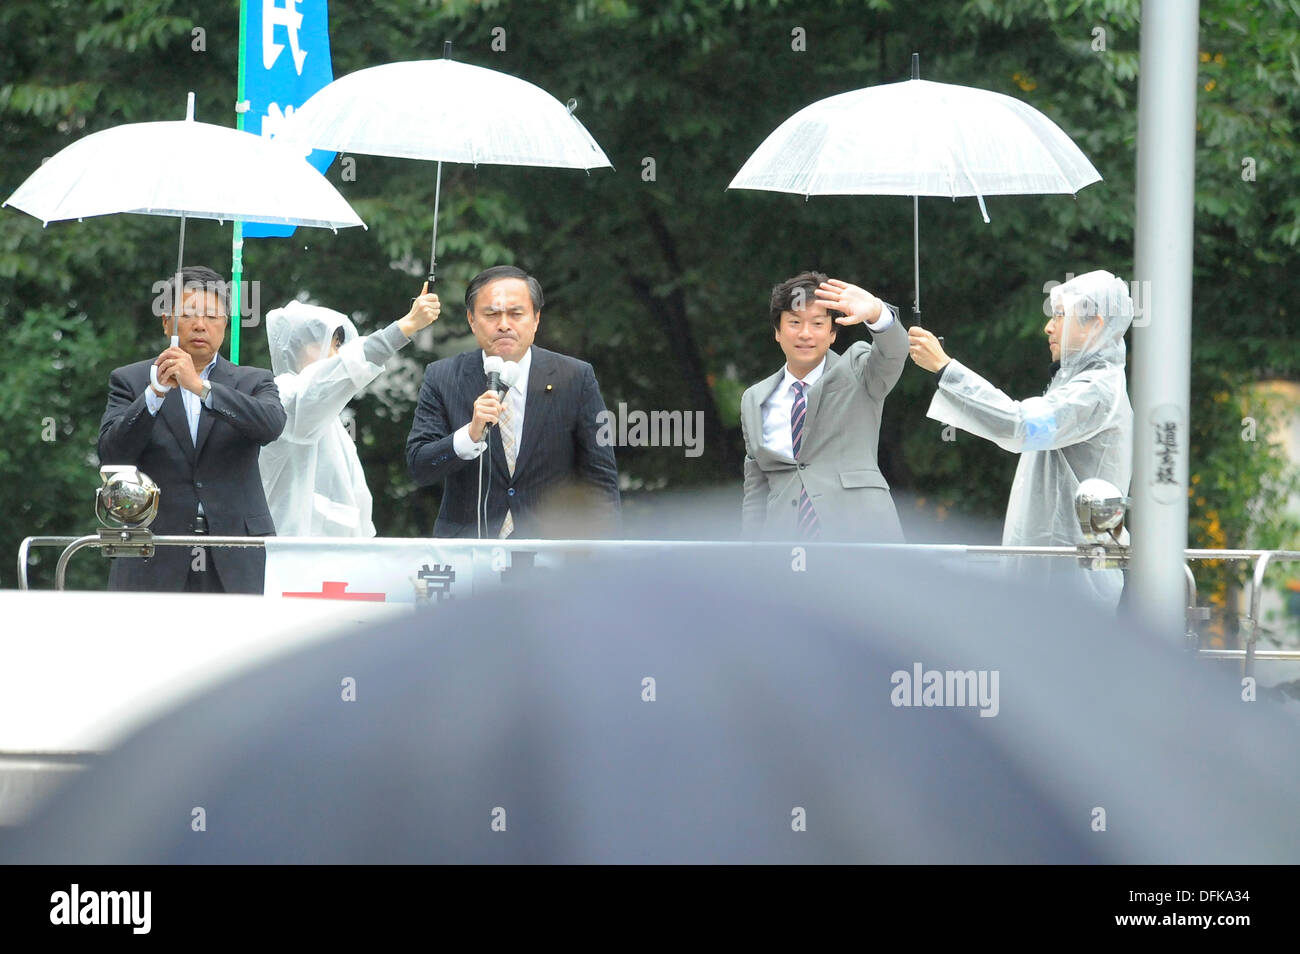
(1069, 183)
(67, 192)
(817, 166)
(961, 159)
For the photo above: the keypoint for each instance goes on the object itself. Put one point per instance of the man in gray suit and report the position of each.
(811, 429)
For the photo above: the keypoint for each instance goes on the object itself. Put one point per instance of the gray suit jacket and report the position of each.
(837, 460)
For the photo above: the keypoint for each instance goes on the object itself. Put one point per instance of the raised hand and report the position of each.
(424, 312)
(858, 304)
(176, 368)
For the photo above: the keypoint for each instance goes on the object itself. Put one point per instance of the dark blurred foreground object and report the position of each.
(773, 701)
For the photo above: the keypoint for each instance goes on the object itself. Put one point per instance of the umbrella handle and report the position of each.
(153, 380)
(153, 370)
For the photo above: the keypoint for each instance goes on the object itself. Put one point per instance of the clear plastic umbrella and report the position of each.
(918, 138)
(187, 169)
(444, 111)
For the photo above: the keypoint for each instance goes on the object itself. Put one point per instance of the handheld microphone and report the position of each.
(494, 365)
(495, 368)
(510, 372)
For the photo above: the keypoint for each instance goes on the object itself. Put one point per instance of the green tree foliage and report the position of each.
(653, 271)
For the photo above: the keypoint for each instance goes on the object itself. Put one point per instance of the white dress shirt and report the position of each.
(464, 445)
(780, 403)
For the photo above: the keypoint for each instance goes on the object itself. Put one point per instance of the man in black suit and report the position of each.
(196, 427)
(546, 474)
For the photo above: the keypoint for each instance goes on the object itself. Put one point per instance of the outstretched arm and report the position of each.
(1069, 414)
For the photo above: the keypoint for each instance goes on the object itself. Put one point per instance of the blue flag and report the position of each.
(286, 59)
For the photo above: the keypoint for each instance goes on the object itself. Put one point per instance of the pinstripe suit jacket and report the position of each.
(565, 483)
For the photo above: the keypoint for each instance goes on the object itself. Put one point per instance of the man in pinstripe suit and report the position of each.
(545, 474)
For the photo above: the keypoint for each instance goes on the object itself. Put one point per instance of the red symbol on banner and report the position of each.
(333, 590)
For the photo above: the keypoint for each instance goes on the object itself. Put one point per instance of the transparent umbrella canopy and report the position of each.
(184, 169)
(445, 111)
(918, 138)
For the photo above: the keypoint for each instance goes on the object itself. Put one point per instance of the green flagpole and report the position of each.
(237, 234)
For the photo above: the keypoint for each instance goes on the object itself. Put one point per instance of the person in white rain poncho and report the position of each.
(312, 475)
(1081, 427)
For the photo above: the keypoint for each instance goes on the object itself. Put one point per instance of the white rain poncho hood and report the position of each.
(311, 474)
(1081, 427)
(300, 334)
(1085, 340)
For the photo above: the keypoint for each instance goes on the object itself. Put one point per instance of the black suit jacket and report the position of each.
(561, 471)
(221, 471)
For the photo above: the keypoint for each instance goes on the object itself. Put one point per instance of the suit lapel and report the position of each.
(815, 395)
(763, 391)
(173, 412)
(472, 380)
(537, 406)
(755, 410)
(221, 373)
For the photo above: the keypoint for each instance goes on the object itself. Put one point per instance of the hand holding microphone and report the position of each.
(501, 376)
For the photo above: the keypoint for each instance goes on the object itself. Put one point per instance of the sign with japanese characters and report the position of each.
(1167, 433)
(432, 572)
(286, 59)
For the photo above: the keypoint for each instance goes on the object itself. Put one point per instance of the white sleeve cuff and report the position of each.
(152, 401)
(885, 320)
(464, 445)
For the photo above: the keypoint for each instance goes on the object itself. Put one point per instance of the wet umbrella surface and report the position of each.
(523, 728)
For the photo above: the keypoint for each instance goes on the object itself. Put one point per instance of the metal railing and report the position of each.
(1248, 656)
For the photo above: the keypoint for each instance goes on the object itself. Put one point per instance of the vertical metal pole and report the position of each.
(1166, 152)
(916, 260)
(237, 231)
(178, 297)
(916, 226)
(437, 197)
(433, 251)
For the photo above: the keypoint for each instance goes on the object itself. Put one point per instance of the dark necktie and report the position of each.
(808, 525)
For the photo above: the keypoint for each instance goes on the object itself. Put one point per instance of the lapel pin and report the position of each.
(549, 386)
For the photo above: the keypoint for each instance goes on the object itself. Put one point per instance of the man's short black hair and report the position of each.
(799, 291)
(503, 271)
(196, 277)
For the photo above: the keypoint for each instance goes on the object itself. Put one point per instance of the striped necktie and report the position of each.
(506, 427)
(809, 527)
